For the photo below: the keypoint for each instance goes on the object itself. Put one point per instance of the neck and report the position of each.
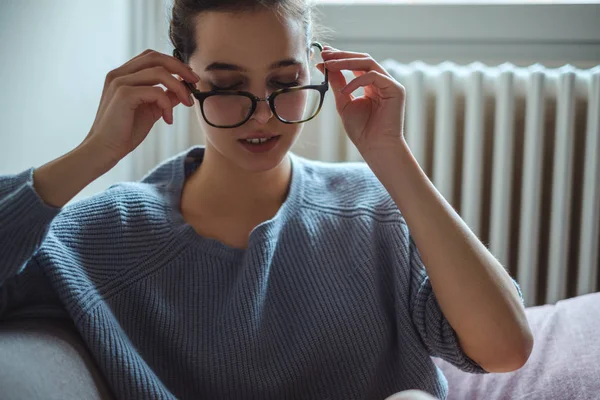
(221, 188)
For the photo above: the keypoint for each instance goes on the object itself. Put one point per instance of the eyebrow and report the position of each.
(221, 66)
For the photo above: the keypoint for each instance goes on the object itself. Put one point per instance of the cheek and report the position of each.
(288, 130)
(210, 133)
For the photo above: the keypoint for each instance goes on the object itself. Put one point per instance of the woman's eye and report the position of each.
(237, 85)
(287, 84)
(230, 87)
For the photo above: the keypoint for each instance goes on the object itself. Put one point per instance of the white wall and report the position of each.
(55, 56)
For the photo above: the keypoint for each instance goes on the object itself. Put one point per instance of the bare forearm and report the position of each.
(59, 180)
(474, 291)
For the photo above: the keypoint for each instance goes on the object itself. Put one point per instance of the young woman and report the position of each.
(238, 270)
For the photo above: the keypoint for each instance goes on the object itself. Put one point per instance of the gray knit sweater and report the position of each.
(330, 300)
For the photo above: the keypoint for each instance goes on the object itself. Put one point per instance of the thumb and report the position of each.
(337, 81)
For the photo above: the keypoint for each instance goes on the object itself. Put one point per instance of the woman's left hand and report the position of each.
(373, 121)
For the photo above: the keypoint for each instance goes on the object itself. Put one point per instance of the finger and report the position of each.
(172, 64)
(356, 73)
(115, 73)
(173, 101)
(355, 64)
(154, 59)
(135, 96)
(158, 112)
(143, 53)
(337, 81)
(336, 54)
(173, 98)
(155, 76)
(147, 59)
(387, 86)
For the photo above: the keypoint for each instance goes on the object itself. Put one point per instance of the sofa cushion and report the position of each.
(42, 358)
(46, 359)
(564, 363)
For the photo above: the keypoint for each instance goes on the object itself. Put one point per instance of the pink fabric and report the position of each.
(564, 364)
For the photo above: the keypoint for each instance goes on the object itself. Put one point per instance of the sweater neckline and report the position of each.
(264, 233)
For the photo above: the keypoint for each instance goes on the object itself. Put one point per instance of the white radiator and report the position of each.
(516, 152)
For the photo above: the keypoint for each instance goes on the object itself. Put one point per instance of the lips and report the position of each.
(260, 135)
(262, 146)
(260, 140)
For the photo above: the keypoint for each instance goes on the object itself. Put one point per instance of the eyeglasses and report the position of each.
(291, 105)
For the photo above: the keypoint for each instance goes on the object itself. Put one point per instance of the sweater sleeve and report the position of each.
(434, 329)
(24, 223)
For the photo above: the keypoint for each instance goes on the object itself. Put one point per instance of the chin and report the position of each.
(256, 162)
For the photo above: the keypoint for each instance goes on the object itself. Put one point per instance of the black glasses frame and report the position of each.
(202, 96)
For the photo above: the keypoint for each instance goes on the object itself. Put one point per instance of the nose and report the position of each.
(263, 112)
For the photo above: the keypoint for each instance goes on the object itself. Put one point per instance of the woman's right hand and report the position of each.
(130, 104)
(129, 107)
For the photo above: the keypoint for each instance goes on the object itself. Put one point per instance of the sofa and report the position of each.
(564, 363)
(46, 359)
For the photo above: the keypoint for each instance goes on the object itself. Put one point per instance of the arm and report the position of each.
(30, 200)
(129, 107)
(473, 290)
(58, 181)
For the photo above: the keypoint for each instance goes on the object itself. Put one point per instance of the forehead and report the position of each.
(254, 40)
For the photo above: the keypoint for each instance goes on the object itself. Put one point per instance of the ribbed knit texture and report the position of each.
(330, 300)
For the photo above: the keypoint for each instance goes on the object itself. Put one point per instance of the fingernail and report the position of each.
(191, 100)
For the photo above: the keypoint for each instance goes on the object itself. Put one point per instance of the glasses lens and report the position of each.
(226, 110)
(302, 105)
(298, 105)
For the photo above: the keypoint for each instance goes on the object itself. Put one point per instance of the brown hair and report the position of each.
(181, 29)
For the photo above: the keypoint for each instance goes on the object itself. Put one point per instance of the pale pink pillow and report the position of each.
(564, 363)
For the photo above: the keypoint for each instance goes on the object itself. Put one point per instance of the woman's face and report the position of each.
(254, 52)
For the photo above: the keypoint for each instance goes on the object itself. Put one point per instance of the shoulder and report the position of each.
(123, 207)
(345, 188)
(346, 207)
(114, 229)
(127, 207)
